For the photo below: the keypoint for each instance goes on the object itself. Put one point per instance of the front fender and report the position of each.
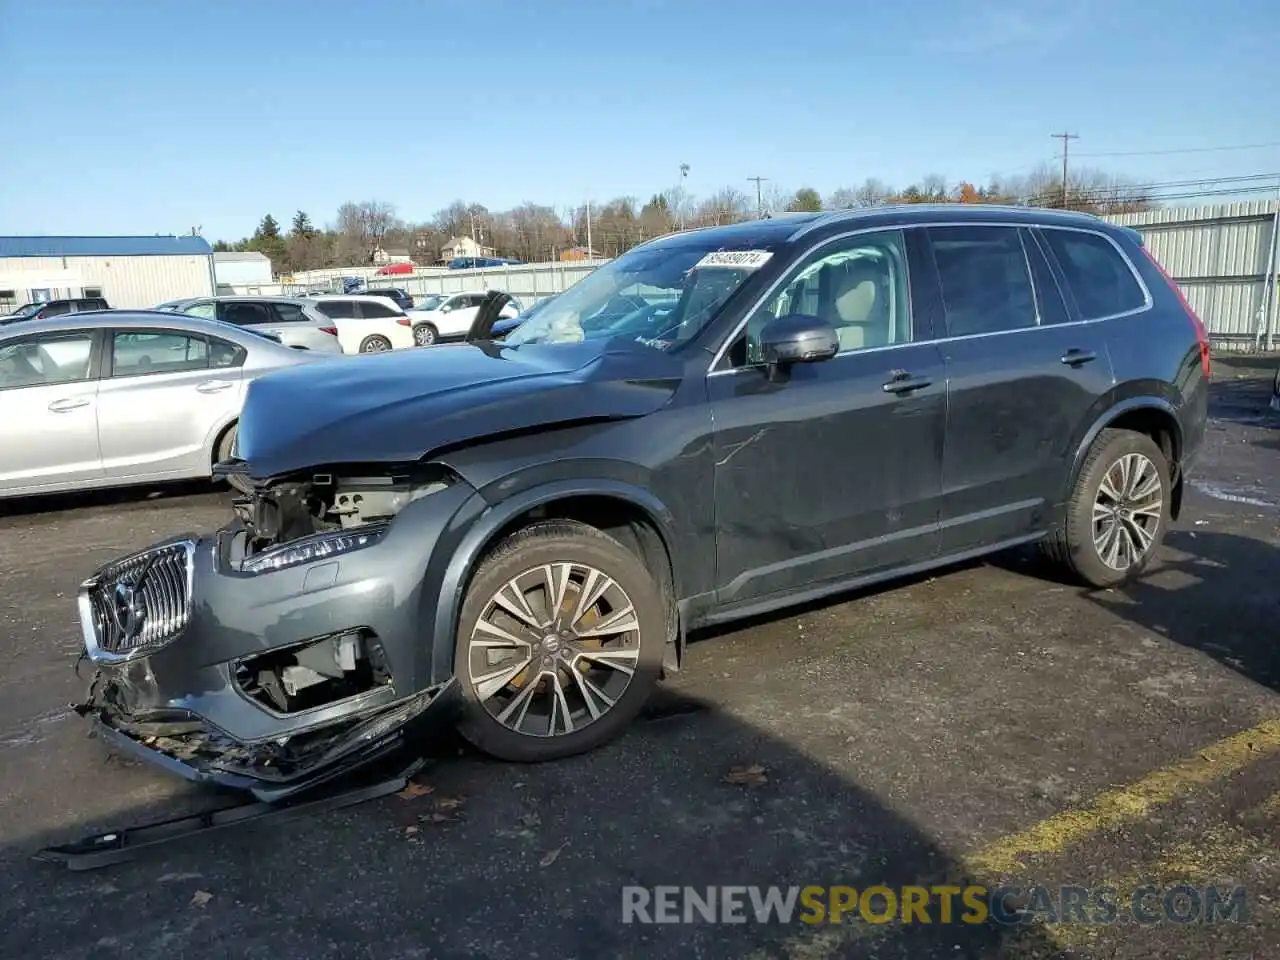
(475, 543)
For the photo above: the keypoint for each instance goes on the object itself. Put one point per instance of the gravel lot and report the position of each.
(991, 719)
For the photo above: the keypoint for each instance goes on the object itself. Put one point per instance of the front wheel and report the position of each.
(559, 644)
(1118, 512)
(375, 344)
(424, 334)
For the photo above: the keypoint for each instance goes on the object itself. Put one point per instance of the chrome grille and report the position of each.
(138, 603)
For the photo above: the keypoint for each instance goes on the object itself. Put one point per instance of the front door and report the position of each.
(48, 398)
(835, 471)
(1021, 379)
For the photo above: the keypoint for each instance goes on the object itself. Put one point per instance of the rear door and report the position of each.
(1021, 376)
(163, 396)
(49, 392)
(343, 315)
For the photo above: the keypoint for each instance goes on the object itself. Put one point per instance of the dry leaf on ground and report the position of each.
(200, 898)
(746, 775)
(550, 856)
(414, 789)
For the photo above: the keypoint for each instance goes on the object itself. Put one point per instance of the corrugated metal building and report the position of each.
(128, 271)
(1224, 258)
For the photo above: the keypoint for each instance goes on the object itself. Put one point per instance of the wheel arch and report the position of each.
(630, 514)
(1153, 416)
(219, 434)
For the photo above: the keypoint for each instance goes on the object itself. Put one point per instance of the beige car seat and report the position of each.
(860, 307)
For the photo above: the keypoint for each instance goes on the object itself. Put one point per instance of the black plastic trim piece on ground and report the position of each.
(120, 846)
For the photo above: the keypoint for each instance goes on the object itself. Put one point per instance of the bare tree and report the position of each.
(872, 193)
(728, 205)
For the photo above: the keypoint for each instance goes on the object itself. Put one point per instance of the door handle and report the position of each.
(64, 406)
(214, 386)
(1076, 358)
(904, 382)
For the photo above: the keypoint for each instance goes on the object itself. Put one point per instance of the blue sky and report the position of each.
(146, 116)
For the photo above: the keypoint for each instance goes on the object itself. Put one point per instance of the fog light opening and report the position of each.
(315, 673)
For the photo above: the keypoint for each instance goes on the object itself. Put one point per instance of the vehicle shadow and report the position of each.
(1241, 389)
(1214, 592)
(509, 861)
(139, 496)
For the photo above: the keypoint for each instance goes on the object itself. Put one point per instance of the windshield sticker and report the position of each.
(742, 259)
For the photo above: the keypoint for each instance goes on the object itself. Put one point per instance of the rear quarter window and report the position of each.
(1097, 274)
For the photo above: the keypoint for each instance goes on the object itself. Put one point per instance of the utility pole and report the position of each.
(590, 249)
(1066, 139)
(759, 196)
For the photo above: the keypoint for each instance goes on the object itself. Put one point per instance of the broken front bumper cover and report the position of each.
(185, 745)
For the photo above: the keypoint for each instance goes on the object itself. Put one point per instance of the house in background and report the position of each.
(580, 253)
(382, 256)
(464, 247)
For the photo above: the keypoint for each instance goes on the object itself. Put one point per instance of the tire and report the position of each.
(225, 446)
(375, 344)
(424, 335)
(535, 730)
(1111, 550)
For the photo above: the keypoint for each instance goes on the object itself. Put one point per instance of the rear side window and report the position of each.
(337, 309)
(142, 352)
(1096, 272)
(376, 311)
(243, 314)
(56, 309)
(986, 286)
(288, 313)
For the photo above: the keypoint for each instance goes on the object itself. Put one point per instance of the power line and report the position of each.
(1161, 153)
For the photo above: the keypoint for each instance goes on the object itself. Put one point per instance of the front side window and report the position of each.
(1098, 276)
(660, 296)
(50, 358)
(141, 352)
(858, 286)
(986, 285)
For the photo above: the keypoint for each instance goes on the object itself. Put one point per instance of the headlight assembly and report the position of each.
(310, 549)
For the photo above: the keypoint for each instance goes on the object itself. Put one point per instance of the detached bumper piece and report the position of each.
(272, 771)
(119, 846)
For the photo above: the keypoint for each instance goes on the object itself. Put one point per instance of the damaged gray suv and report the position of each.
(518, 534)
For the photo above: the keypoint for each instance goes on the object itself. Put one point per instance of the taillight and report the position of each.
(1202, 334)
(404, 321)
(331, 331)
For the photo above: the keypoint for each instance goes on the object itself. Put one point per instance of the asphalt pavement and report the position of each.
(990, 724)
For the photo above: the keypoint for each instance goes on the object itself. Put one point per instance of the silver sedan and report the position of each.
(123, 397)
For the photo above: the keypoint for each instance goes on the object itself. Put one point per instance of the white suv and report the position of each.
(366, 324)
(449, 317)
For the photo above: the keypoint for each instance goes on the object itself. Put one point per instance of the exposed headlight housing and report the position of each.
(318, 547)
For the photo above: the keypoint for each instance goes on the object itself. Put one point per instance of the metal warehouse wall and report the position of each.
(125, 281)
(1224, 259)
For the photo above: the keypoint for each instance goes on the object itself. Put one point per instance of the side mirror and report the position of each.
(797, 338)
(446, 308)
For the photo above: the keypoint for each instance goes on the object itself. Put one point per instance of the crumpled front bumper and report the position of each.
(176, 694)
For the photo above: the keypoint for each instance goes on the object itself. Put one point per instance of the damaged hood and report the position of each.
(402, 406)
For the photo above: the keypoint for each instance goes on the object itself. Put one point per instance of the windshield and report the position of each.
(28, 310)
(658, 296)
(430, 303)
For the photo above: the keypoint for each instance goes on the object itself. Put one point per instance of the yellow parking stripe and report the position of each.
(1130, 802)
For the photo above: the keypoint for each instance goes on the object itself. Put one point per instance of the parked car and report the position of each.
(122, 398)
(55, 308)
(521, 533)
(293, 321)
(366, 324)
(396, 295)
(450, 317)
(479, 263)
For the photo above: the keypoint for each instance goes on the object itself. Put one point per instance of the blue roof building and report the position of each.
(131, 272)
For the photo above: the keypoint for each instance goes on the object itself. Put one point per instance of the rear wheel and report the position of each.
(424, 334)
(375, 344)
(225, 446)
(559, 644)
(1118, 512)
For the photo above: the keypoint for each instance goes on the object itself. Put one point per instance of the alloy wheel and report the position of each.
(1127, 511)
(554, 649)
(424, 336)
(375, 345)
